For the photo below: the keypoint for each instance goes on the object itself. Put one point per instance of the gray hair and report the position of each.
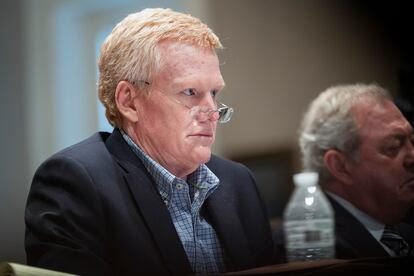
(329, 124)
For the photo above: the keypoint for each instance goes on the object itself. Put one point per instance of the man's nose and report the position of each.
(409, 159)
(209, 106)
(209, 101)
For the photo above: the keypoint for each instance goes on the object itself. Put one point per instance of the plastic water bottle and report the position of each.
(308, 221)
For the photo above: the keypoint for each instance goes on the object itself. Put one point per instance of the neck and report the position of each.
(175, 167)
(381, 212)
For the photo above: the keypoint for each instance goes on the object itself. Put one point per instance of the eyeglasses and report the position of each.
(204, 112)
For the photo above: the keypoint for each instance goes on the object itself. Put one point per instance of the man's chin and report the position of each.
(202, 154)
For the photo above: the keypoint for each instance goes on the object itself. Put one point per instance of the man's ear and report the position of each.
(337, 164)
(124, 99)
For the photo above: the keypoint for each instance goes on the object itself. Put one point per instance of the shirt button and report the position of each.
(179, 186)
(166, 202)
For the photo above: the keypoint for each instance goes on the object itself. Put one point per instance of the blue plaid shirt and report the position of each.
(184, 201)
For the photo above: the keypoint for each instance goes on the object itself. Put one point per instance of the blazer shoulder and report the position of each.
(232, 174)
(90, 155)
(219, 163)
(90, 149)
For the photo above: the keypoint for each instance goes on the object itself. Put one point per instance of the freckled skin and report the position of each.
(165, 129)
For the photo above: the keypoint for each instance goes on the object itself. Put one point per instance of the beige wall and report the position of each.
(281, 54)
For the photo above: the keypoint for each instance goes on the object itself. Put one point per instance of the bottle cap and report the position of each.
(306, 178)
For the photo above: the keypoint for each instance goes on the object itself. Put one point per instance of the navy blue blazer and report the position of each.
(93, 209)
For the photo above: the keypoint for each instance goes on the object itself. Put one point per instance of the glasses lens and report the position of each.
(225, 114)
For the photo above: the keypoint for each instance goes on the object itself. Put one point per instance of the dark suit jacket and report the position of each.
(93, 209)
(352, 239)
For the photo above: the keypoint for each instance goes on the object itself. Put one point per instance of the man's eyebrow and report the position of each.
(398, 134)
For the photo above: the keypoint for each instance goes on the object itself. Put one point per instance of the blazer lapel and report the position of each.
(150, 205)
(226, 221)
(353, 235)
(407, 232)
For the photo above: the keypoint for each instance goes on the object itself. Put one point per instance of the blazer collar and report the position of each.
(222, 213)
(352, 232)
(154, 213)
(219, 210)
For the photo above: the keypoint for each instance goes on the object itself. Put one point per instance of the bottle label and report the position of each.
(309, 233)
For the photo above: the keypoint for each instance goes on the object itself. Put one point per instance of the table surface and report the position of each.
(395, 266)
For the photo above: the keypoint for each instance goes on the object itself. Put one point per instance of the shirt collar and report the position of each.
(375, 227)
(202, 178)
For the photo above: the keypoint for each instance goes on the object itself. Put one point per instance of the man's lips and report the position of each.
(205, 138)
(409, 181)
(203, 134)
